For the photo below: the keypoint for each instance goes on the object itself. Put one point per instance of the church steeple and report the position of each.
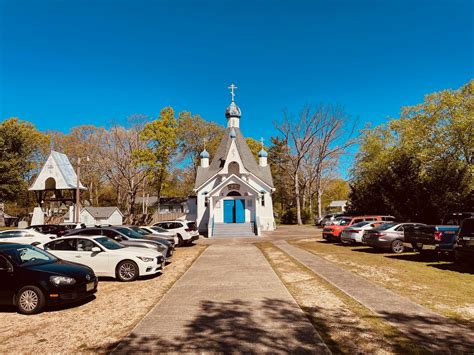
(233, 111)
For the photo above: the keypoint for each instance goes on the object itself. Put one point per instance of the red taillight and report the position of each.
(377, 234)
(438, 236)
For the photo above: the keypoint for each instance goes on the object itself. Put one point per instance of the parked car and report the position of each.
(387, 236)
(333, 232)
(107, 257)
(56, 229)
(122, 235)
(168, 242)
(441, 238)
(31, 278)
(438, 238)
(160, 232)
(25, 236)
(186, 231)
(354, 233)
(464, 248)
(328, 218)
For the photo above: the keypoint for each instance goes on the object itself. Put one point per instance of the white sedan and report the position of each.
(353, 234)
(107, 257)
(160, 232)
(25, 236)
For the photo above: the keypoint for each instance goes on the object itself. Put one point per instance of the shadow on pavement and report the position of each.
(234, 326)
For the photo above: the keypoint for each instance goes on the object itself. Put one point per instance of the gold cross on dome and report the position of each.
(232, 87)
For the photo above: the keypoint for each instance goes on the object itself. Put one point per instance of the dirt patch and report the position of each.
(345, 325)
(100, 323)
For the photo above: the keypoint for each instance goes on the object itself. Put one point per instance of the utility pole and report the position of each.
(78, 192)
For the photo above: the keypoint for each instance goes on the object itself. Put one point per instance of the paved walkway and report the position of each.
(417, 322)
(230, 300)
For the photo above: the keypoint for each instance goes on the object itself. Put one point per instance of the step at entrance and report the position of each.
(233, 230)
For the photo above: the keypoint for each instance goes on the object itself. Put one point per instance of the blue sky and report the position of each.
(65, 63)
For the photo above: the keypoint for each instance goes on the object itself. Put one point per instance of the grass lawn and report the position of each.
(439, 285)
(97, 325)
(345, 325)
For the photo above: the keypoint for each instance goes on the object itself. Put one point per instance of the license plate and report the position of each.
(89, 286)
(467, 238)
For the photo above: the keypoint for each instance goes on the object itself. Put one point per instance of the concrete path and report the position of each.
(230, 300)
(417, 322)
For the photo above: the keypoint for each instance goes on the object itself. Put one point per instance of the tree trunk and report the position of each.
(2, 214)
(297, 197)
(319, 201)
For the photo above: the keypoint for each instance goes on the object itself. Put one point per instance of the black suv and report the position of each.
(464, 248)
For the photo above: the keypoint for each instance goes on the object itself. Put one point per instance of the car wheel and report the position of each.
(417, 246)
(397, 246)
(127, 270)
(30, 300)
(180, 240)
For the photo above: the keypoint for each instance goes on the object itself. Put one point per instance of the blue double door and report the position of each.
(234, 211)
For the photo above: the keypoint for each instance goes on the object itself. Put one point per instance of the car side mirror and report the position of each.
(96, 250)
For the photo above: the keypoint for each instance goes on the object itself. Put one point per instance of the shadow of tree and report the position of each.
(462, 268)
(274, 326)
(435, 332)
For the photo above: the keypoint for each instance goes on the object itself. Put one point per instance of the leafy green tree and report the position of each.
(161, 138)
(21, 146)
(193, 132)
(420, 166)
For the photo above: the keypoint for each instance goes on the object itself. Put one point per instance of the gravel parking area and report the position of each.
(96, 325)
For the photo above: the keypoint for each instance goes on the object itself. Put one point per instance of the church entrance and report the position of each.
(234, 211)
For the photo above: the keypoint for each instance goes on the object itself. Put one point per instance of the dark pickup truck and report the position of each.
(441, 238)
(464, 248)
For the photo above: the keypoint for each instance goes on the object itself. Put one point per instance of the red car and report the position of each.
(333, 232)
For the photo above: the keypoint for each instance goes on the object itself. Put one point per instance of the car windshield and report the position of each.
(343, 221)
(384, 227)
(360, 224)
(159, 229)
(138, 230)
(130, 233)
(29, 255)
(109, 243)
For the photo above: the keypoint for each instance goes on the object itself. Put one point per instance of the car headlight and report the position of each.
(145, 259)
(160, 248)
(62, 280)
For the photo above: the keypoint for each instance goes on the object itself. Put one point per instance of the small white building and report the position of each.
(338, 205)
(101, 215)
(234, 191)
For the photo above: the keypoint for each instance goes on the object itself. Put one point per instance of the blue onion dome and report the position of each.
(262, 153)
(204, 154)
(232, 111)
(232, 133)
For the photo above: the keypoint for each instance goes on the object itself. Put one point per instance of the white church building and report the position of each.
(234, 191)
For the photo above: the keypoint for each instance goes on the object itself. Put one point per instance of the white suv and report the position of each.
(186, 231)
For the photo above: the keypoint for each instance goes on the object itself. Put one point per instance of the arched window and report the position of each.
(234, 193)
(234, 168)
(50, 184)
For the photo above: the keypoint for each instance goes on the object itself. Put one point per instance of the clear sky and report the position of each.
(65, 63)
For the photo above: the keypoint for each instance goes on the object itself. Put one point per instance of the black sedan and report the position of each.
(31, 278)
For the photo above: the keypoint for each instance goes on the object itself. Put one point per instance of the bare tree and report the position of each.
(120, 163)
(316, 140)
(300, 135)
